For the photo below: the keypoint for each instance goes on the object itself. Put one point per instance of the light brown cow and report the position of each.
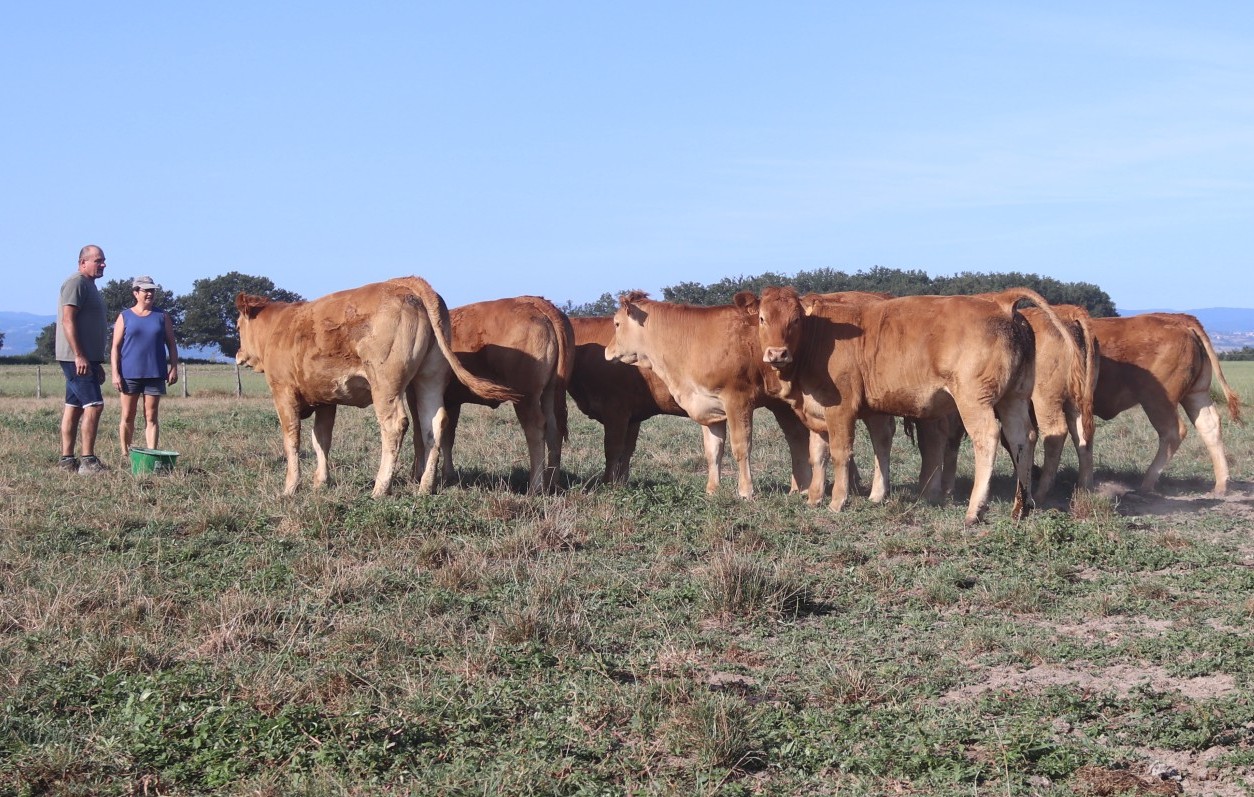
(914, 356)
(1060, 405)
(526, 344)
(1161, 360)
(709, 360)
(618, 396)
(367, 345)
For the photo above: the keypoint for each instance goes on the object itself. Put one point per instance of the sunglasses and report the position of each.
(145, 290)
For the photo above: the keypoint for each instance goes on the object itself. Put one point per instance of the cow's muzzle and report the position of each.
(776, 355)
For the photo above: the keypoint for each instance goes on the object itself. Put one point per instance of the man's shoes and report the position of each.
(91, 465)
(68, 463)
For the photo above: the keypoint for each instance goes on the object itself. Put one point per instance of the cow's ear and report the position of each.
(808, 303)
(635, 312)
(250, 305)
(748, 302)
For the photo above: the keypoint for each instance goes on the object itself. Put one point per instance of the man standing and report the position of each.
(81, 327)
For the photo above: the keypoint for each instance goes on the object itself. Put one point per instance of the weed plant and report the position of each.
(198, 633)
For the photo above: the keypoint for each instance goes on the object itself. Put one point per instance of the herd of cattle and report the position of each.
(980, 366)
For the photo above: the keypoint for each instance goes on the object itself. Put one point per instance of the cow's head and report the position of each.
(248, 306)
(779, 315)
(628, 346)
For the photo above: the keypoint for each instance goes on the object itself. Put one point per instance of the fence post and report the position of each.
(239, 384)
(184, 365)
(39, 381)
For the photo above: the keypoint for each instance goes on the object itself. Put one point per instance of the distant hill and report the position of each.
(21, 329)
(1228, 327)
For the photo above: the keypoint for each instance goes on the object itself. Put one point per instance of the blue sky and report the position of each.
(573, 149)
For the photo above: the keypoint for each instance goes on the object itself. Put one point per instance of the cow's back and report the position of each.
(1144, 355)
(968, 341)
(509, 341)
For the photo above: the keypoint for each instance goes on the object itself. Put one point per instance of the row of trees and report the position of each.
(883, 280)
(205, 317)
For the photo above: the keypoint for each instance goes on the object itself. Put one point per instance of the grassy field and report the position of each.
(197, 633)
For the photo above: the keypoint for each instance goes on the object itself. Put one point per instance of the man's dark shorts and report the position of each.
(153, 386)
(83, 391)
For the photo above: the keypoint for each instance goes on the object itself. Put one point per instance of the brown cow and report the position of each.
(526, 344)
(367, 345)
(1161, 360)
(915, 356)
(1060, 405)
(709, 360)
(618, 396)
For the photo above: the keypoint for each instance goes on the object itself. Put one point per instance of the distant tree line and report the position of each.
(205, 317)
(885, 280)
(1244, 353)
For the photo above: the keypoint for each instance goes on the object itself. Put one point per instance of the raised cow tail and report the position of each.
(564, 331)
(1082, 370)
(437, 313)
(1230, 395)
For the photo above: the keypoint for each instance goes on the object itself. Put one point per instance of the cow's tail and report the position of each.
(1082, 370)
(437, 313)
(1091, 363)
(565, 334)
(1230, 395)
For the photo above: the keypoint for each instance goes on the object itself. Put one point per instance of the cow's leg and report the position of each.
(798, 438)
(881, 428)
(289, 423)
(714, 438)
(1052, 423)
(1165, 419)
(1016, 425)
(1083, 448)
(531, 418)
(432, 421)
(740, 432)
(933, 441)
(389, 408)
(552, 439)
(818, 468)
(954, 431)
(1205, 417)
(840, 427)
(452, 413)
(324, 424)
(618, 440)
(626, 451)
(981, 424)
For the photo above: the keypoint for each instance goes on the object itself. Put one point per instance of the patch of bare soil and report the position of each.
(1120, 680)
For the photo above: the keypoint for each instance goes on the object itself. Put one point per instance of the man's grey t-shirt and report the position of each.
(89, 321)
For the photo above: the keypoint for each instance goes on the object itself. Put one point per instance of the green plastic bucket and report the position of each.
(152, 460)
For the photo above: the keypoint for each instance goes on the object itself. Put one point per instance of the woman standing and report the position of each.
(141, 337)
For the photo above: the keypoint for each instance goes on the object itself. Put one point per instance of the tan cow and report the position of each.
(367, 345)
(914, 356)
(618, 396)
(709, 360)
(1060, 405)
(1161, 360)
(526, 344)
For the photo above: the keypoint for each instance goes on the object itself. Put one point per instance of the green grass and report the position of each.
(200, 634)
